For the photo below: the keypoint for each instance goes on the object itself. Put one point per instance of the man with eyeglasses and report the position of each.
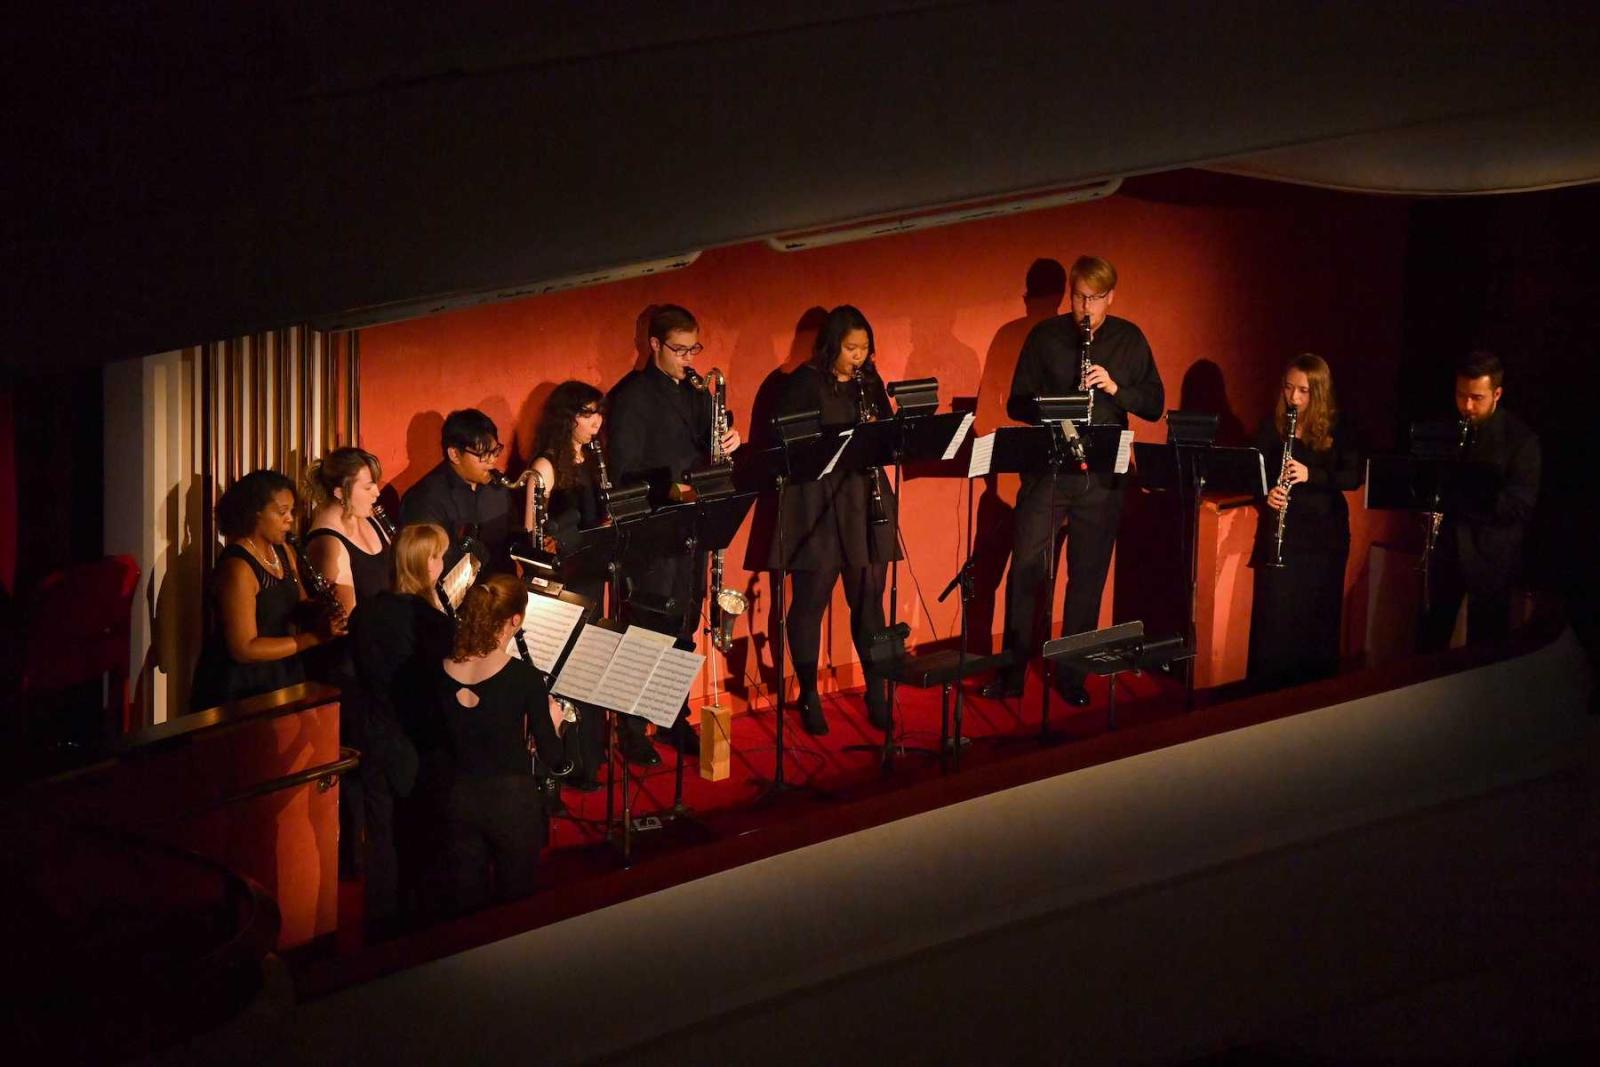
(1124, 379)
(659, 430)
(460, 495)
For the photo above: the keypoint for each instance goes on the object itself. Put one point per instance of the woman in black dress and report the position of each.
(346, 543)
(564, 466)
(255, 644)
(398, 637)
(494, 709)
(1296, 609)
(826, 529)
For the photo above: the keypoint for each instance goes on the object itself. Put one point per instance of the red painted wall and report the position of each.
(1227, 277)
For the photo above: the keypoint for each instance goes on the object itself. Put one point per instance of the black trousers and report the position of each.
(812, 593)
(1091, 511)
(1488, 607)
(492, 824)
(1295, 612)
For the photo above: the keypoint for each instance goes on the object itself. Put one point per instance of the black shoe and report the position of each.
(1073, 693)
(681, 738)
(811, 716)
(637, 749)
(878, 703)
(1001, 689)
(584, 785)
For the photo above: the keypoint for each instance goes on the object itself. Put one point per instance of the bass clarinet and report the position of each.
(726, 604)
(1291, 417)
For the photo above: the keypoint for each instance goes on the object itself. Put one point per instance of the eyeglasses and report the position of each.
(485, 454)
(680, 350)
(1090, 298)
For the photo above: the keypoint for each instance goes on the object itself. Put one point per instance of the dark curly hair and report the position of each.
(553, 440)
(487, 607)
(247, 498)
(838, 325)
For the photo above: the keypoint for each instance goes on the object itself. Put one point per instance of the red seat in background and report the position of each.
(77, 629)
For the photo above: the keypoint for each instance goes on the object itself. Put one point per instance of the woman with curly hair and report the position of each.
(825, 527)
(1295, 610)
(494, 710)
(255, 645)
(561, 462)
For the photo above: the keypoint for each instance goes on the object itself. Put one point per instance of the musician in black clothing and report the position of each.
(460, 495)
(661, 430)
(564, 465)
(346, 543)
(1296, 608)
(1479, 551)
(398, 636)
(826, 528)
(1124, 380)
(494, 709)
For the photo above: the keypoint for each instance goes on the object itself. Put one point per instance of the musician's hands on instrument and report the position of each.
(1295, 473)
(1099, 378)
(730, 441)
(1278, 498)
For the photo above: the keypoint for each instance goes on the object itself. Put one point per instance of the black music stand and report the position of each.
(914, 434)
(1430, 481)
(1189, 464)
(1049, 449)
(802, 453)
(539, 586)
(1113, 651)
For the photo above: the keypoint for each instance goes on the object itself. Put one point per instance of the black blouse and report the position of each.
(488, 739)
(1318, 518)
(825, 523)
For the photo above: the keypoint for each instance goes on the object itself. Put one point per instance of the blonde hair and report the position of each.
(339, 469)
(414, 546)
(1321, 412)
(487, 608)
(1098, 273)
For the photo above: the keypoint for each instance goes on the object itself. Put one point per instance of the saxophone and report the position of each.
(866, 411)
(1291, 417)
(1085, 339)
(726, 604)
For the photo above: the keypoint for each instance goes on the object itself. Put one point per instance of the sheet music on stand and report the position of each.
(638, 672)
(455, 584)
(547, 627)
(982, 456)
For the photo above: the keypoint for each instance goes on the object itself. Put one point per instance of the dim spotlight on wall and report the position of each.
(941, 215)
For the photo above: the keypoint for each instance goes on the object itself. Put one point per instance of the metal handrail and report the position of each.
(326, 776)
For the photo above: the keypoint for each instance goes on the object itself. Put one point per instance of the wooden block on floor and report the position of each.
(716, 742)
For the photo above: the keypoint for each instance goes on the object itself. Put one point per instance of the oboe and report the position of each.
(1291, 416)
(1085, 339)
(866, 411)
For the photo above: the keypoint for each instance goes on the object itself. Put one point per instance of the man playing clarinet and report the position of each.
(1123, 378)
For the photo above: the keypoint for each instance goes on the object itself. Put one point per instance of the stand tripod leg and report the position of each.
(1111, 712)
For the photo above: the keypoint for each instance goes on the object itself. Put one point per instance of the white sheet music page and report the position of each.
(844, 442)
(1124, 451)
(668, 686)
(982, 456)
(547, 625)
(631, 665)
(587, 664)
(954, 446)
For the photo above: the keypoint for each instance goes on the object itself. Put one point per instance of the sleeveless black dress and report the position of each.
(369, 571)
(218, 678)
(574, 507)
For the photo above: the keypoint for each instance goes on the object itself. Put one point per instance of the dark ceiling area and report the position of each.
(184, 173)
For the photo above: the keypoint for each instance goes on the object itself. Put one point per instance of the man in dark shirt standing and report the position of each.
(1479, 552)
(659, 430)
(460, 495)
(1124, 379)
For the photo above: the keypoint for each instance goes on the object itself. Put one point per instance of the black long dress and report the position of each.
(218, 677)
(1296, 609)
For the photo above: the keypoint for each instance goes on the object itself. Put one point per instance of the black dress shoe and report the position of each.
(1001, 689)
(1073, 694)
(637, 749)
(811, 716)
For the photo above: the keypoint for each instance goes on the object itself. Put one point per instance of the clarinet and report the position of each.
(1291, 417)
(385, 524)
(600, 476)
(1435, 517)
(1085, 339)
(866, 411)
(317, 584)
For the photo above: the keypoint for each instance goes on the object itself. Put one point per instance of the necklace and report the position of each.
(270, 562)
